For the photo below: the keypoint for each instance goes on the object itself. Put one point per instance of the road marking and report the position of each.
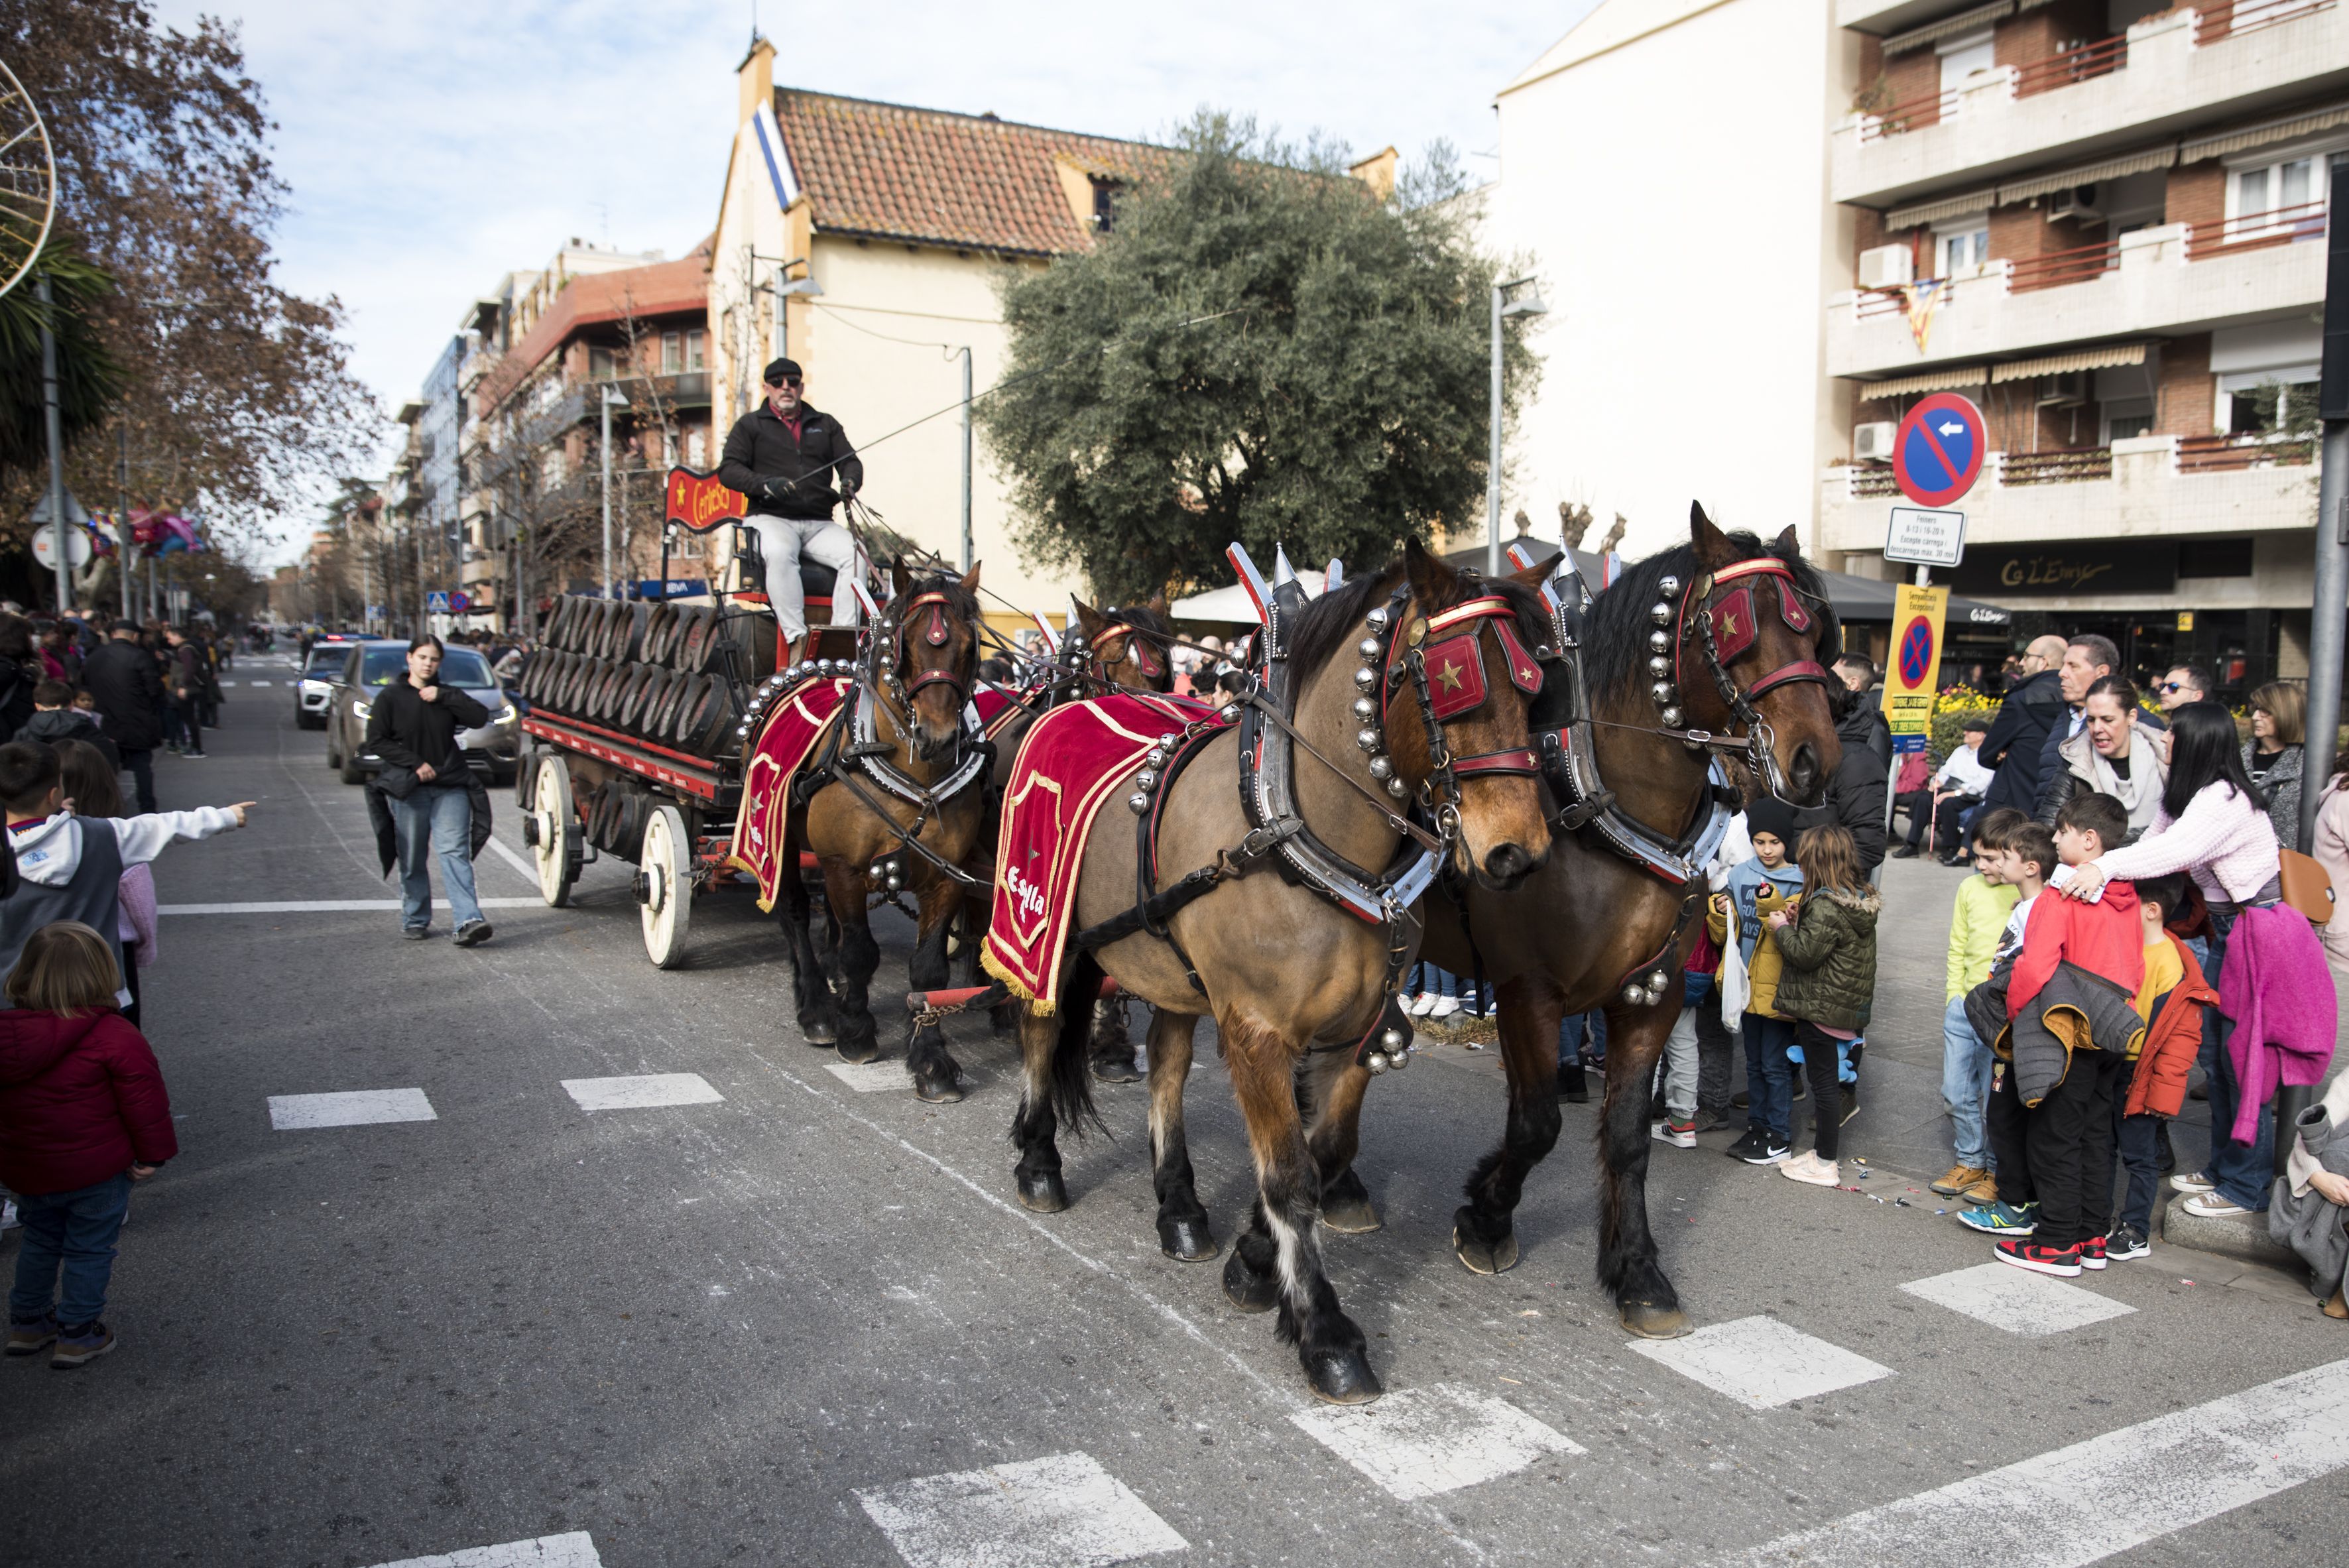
(869, 1078)
(2016, 1300)
(1062, 1512)
(577, 1550)
(332, 905)
(350, 1108)
(1418, 1443)
(642, 1091)
(2147, 1481)
(515, 861)
(1762, 1362)
(255, 683)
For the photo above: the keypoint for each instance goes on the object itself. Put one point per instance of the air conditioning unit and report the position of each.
(2068, 390)
(2078, 203)
(1885, 267)
(1872, 442)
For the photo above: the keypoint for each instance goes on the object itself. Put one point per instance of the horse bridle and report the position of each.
(896, 623)
(1459, 664)
(1136, 651)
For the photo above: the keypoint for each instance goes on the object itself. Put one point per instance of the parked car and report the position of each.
(314, 691)
(493, 748)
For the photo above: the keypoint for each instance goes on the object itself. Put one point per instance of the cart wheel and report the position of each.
(556, 822)
(665, 886)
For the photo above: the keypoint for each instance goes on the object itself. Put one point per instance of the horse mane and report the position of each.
(1334, 621)
(1615, 642)
(1141, 618)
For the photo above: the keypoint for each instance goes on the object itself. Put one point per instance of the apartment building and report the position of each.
(2103, 220)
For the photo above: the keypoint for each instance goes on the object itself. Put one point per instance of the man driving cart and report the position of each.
(795, 464)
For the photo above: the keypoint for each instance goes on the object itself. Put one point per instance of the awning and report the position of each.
(1947, 207)
(1233, 603)
(1931, 381)
(2064, 363)
(1948, 27)
(2261, 135)
(2089, 174)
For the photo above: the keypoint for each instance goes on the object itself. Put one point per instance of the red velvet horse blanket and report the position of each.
(1073, 758)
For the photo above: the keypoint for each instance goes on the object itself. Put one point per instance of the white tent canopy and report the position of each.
(1233, 603)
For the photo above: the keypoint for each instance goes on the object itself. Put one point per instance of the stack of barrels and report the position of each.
(653, 673)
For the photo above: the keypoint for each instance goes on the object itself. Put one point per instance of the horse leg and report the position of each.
(1483, 1229)
(1052, 1088)
(1331, 1091)
(1112, 1042)
(1329, 1344)
(936, 1077)
(810, 986)
(1183, 1229)
(859, 956)
(1628, 1267)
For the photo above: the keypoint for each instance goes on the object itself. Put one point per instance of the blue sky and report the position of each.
(433, 146)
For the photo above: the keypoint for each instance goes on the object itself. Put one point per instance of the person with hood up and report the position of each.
(55, 718)
(1756, 889)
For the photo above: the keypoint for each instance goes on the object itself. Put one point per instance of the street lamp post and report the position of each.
(57, 525)
(1529, 303)
(612, 398)
(966, 459)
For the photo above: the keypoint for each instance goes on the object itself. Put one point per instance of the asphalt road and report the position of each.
(796, 1321)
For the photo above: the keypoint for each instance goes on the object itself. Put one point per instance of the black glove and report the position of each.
(847, 490)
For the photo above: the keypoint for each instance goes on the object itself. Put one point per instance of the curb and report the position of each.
(2243, 1237)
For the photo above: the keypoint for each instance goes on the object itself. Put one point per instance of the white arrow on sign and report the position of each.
(1953, 428)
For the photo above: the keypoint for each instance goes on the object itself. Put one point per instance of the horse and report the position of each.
(897, 794)
(1298, 968)
(1718, 646)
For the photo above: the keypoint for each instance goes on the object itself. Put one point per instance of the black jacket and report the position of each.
(386, 836)
(805, 477)
(2018, 738)
(70, 723)
(1856, 790)
(406, 731)
(122, 676)
(16, 683)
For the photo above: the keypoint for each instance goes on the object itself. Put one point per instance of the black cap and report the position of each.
(1772, 815)
(779, 369)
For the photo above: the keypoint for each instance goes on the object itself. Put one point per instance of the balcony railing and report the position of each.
(1871, 481)
(1874, 302)
(2252, 231)
(2083, 64)
(2062, 466)
(2228, 454)
(2239, 17)
(1915, 114)
(2057, 268)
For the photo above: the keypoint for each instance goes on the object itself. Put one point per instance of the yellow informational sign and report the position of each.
(1916, 657)
(2185, 620)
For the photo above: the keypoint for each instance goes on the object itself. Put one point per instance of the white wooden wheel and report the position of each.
(552, 815)
(665, 886)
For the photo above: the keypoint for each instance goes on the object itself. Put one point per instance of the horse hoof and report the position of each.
(1342, 1378)
(853, 1052)
(1043, 1192)
(1485, 1257)
(1650, 1321)
(1351, 1216)
(938, 1090)
(1116, 1070)
(1248, 1290)
(820, 1032)
(1188, 1241)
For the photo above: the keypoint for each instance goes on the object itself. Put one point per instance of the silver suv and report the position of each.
(314, 691)
(491, 749)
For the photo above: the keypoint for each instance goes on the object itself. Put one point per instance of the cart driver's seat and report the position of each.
(817, 586)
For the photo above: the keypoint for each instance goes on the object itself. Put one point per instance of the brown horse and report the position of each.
(1725, 636)
(1299, 980)
(897, 796)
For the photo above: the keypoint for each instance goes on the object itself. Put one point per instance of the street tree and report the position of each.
(90, 378)
(1258, 347)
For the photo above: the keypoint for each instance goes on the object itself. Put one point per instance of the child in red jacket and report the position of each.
(83, 1115)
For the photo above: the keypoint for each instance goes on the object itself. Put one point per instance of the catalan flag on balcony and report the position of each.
(1921, 300)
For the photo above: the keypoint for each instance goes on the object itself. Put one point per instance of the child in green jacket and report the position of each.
(1828, 988)
(1985, 900)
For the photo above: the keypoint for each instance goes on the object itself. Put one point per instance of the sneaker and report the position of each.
(2062, 1262)
(31, 1338)
(415, 933)
(1769, 1150)
(1444, 1008)
(2092, 1254)
(1714, 1121)
(1750, 1140)
(80, 1342)
(1997, 1219)
(473, 932)
(9, 1221)
(1958, 1180)
(1982, 1193)
(1850, 1103)
(2126, 1241)
(2212, 1206)
(1808, 1167)
(192, 757)
(1418, 1006)
(2193, 1182)
(1678, 1134)
(1741, 1101)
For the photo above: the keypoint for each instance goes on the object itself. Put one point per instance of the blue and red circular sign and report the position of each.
(1939, 452)
(1916, 653)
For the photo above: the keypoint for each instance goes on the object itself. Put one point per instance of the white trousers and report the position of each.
(783, 542)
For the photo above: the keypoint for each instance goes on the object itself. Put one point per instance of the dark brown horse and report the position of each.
(1724, 635)
(1410, 683)
(899, 799)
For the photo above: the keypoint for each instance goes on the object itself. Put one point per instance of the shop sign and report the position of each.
(2083, 568)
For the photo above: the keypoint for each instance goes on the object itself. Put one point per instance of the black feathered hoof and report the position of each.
(1043, 1192)
(1246, 1289)
(1351, 1216)
(1485, 1257)
(938, 1088)
(1116, 1066)
(1188, 1241)
(1652, 1320)
(820, 1032)
(853, 1051)
(1342, 1378)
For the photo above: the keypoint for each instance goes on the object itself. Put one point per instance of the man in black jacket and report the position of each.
(2019, 734)
(796, 463)
(128, 688)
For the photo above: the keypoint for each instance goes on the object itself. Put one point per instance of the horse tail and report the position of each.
(1072, 1081)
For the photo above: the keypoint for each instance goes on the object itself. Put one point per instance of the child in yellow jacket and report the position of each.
(1758, 888)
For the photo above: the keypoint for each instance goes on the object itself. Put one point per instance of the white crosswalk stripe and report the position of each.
(1061, 1512)
(349, 1108)
(2016, 1300)
(869, 1078)
(642, 1091)
(1418, 1443)
(1762, 1362)
(577, 1550)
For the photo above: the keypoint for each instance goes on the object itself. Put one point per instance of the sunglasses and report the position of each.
(787, 381)
(2171, 686)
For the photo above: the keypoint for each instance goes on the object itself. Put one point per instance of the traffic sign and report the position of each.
(1937, 453)
(75, 512)
(78, 548)
(436, 602)
(1917, 616)
(459, 603)
(1923, 536)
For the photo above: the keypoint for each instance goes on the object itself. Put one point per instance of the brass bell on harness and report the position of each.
(1365, 709)
(1672, 716)
(1661, 614)
(1368, 650)
(1664, 692)
(1366, 680)
(1137, 803)
(1656, 978)
(1668, 586)
(1660, 640)
(1376, 620)
(1377, 1062)
(1367, 739)
(1146, 781)
(1166, 742)
(1381, 768)
(1398, 789)
(1635, 996)
(1153, 757)
(1659, 667)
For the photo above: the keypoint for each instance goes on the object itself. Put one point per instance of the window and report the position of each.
(2126, 418)
(1960, 58)
(2277, 196)
(1958, 252)
(601, 366)
(696, 445)
(672, 353)
(693, 350)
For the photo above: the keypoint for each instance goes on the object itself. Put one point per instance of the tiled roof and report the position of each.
(664, 288)
(927, 175)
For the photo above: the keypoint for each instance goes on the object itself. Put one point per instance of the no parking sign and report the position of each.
(1916, 655)
(1937, 453)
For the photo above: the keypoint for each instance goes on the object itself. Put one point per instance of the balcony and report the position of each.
(2168, 74)
(2177, 278)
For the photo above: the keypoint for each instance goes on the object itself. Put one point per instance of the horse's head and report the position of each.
(1460, 680)
(1125, 647)
(925, 652)
(1751, 634)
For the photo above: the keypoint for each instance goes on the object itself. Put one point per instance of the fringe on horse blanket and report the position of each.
(1073, 758)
